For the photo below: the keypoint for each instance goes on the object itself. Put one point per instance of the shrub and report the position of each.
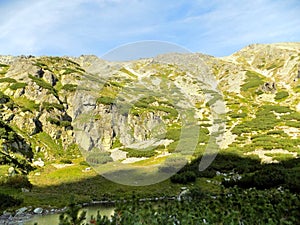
(66, 161)
(184, 178)
(7, 80)
(293, 124)
(3, 98)
(16, 86)
(253, 80)
(139, 152)
(281, 95)
(17, 181)
(50, 106)
(98, 157)
(40, 82)
(238, 115)
(84, 163)
(173, 164)
(70, 87)
(53, 121)
(105, 100)
(8, 201)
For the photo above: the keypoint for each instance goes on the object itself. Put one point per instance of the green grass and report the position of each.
(54, 187)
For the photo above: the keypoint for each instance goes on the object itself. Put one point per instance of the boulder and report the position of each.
(39, 163)
(24, 190)
(11, 171)
(38, 210)
(21, 211)
(269, 87)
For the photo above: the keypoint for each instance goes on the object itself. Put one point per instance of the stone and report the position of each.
(39, 163)
(269, 87)
(24, 190)
(21, 211)
(38, 210)
(11, 171)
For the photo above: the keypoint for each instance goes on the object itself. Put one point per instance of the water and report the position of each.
(53, 219)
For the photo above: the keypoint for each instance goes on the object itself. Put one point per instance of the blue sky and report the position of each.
(75, 27)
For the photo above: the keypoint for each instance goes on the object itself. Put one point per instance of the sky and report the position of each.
(76, 27)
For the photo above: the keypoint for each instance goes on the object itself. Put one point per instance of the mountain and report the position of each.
(173, 104)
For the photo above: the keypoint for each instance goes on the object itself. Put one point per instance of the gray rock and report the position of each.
(38, 210)
(11, 171)
(21, 211)
(24, 190)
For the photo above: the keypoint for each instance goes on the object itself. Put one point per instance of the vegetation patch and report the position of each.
(26, 103)
(7, 80)
(70, 87)
(105, 100)
(4, 98)
(96, 158)
(281, 95)
(8, 201)
(51, 106)
(253, 80)
(139, 152)
(43, 84)
(17, 86)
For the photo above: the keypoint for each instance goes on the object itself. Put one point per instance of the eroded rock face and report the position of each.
(100, 133)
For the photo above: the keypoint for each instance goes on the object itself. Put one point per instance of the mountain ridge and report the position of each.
(68, 106)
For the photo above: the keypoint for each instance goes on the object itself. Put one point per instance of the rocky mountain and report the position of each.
(173, 104)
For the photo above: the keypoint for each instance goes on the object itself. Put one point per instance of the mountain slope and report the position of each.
(173, 104)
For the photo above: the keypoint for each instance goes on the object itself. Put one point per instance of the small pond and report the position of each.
(53, 219)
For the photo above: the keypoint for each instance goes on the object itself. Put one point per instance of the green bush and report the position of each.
(8, 201)
(17, 181)
(4, 98)
(173, 164)
(293, 124)
(40, 82)
(50, 106)
(66, 161)
(58, 122)
(7, 80)
(16, 86)
(105, 100)
(281, 95)
(253, 80)
(98, 158)
(53, 121)
(139, 152)
(238, 115)
(84, 163)
(70, 87)
(184, 178)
